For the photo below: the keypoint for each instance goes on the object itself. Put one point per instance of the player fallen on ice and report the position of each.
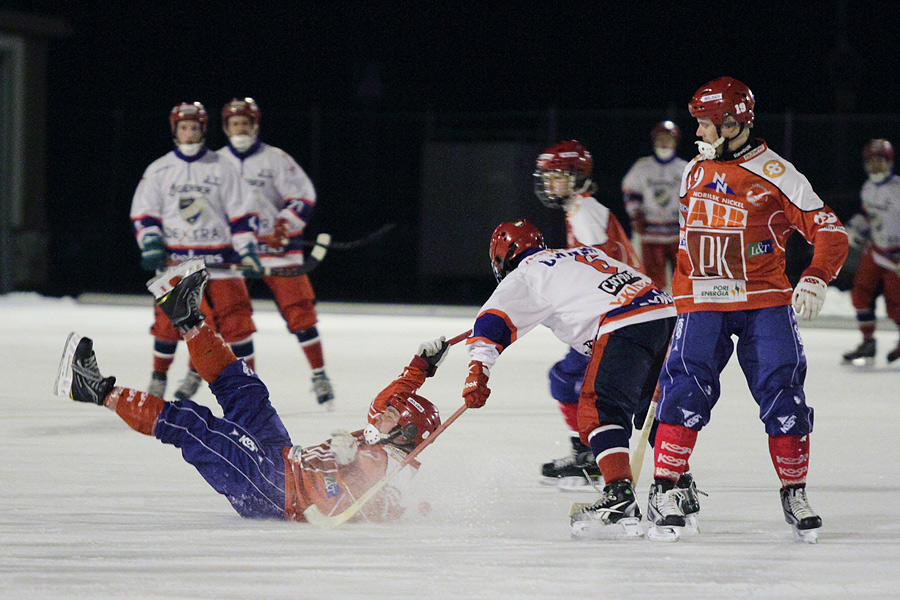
(248, 456)
(602, 308)
(740, 201)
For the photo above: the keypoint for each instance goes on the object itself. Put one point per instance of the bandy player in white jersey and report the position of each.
(283, 197)
(650, 191)
(562, 180)
(876, 230)
(602, 308)
(189, 204)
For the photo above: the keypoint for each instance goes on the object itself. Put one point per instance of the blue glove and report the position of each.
(153, 253)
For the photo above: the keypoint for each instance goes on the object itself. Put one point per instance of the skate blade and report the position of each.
(628, 528)
(807, 536)
(664, 533)
(573, 484)
(163, 283)
(860, 363)
(63, 385)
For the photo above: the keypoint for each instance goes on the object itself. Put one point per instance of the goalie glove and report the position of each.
(153, 252)
(344, 446)
(430, 355)
(476, 391)
(809, 296)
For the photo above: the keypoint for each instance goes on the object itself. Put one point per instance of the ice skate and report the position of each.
(574, 472)
(664, 511)
(179, 290)
(615, 515)
(864, 354)
(157, 385)
(321, 387)
(799, 514)
(894, 354)
(78, 376)
(689, 497)
(188, 386)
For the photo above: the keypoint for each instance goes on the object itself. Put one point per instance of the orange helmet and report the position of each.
(509, 241)
(720, 97)
(570, 158)
(188, 111)
(241, 106)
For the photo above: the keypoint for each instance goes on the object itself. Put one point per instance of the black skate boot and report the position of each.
(179, 290)
(799, 514)
(573, 472)
(689, 496)
(158, 382)
(894, 354)
(78, 376)
(863, 354)
(321, 386)
(615, 515)
(664, 511)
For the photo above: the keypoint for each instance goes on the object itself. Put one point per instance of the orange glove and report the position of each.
(476, 391)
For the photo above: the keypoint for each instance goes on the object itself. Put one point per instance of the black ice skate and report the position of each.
(664, 511)
(799, 514)
(78, 376)
(614, 515)
(188, 386)
(894, 354)
(573, 472)
(321, 387)
(157, 385)
(863, 355)
(179, 290)
(690, 501)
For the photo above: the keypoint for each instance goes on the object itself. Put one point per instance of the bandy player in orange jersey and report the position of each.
(248, 456)
(739, 203)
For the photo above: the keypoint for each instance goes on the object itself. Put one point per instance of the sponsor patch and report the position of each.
(719, 290)
(710, 97)
(762, 247)
(773, 168)
(332, 489)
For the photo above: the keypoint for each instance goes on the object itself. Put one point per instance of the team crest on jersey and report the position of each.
(191, 207)
(773, 168)
(662, 197)
(718, 183)
(695, 178)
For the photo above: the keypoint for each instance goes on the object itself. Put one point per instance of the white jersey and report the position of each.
(579, 293)
(651, 187)
(277, 187)
(881, 206)
(195, 204)
(590, 223)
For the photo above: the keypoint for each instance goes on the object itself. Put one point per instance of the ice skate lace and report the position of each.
(321, 386)
(87, 369)
(799, 504)
(669, 503)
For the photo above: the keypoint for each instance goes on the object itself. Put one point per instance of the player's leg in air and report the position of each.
(239, 455)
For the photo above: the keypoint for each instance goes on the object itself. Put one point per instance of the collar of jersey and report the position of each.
(242, 155)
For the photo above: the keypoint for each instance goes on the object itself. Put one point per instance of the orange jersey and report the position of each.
(735, 218)
(313, 476)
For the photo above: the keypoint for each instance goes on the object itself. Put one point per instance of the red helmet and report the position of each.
(665, 128)
(720, 97)
(418, 418)
(241, 106)
(510, 240)
(188, 111)
(569, 158)
(878, 147)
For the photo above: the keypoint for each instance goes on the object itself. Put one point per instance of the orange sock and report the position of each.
(139, 409)
(209, 353)
(615, 466)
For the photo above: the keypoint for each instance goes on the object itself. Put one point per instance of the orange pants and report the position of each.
(872, 281)
(655, 258)
(296, 301)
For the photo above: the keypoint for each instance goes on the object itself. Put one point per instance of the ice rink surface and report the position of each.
(91, 509)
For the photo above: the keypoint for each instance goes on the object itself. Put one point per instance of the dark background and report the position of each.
(392, 107)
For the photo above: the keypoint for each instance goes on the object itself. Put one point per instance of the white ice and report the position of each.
(91, 509)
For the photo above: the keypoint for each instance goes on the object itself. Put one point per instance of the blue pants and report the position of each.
(566, 377)
(770, 354)
(238, 455)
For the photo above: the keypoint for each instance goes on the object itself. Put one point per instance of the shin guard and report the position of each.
(139, 409)
(209, 352)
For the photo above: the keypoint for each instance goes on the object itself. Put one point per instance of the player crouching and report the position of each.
(248, 456)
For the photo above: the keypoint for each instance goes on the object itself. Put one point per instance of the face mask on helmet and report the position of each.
(415, 419)
(562, 171)
(878, 159)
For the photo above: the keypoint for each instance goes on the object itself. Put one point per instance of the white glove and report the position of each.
(809, 296)
(434, 349)
(344, 447)
(859, 232)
